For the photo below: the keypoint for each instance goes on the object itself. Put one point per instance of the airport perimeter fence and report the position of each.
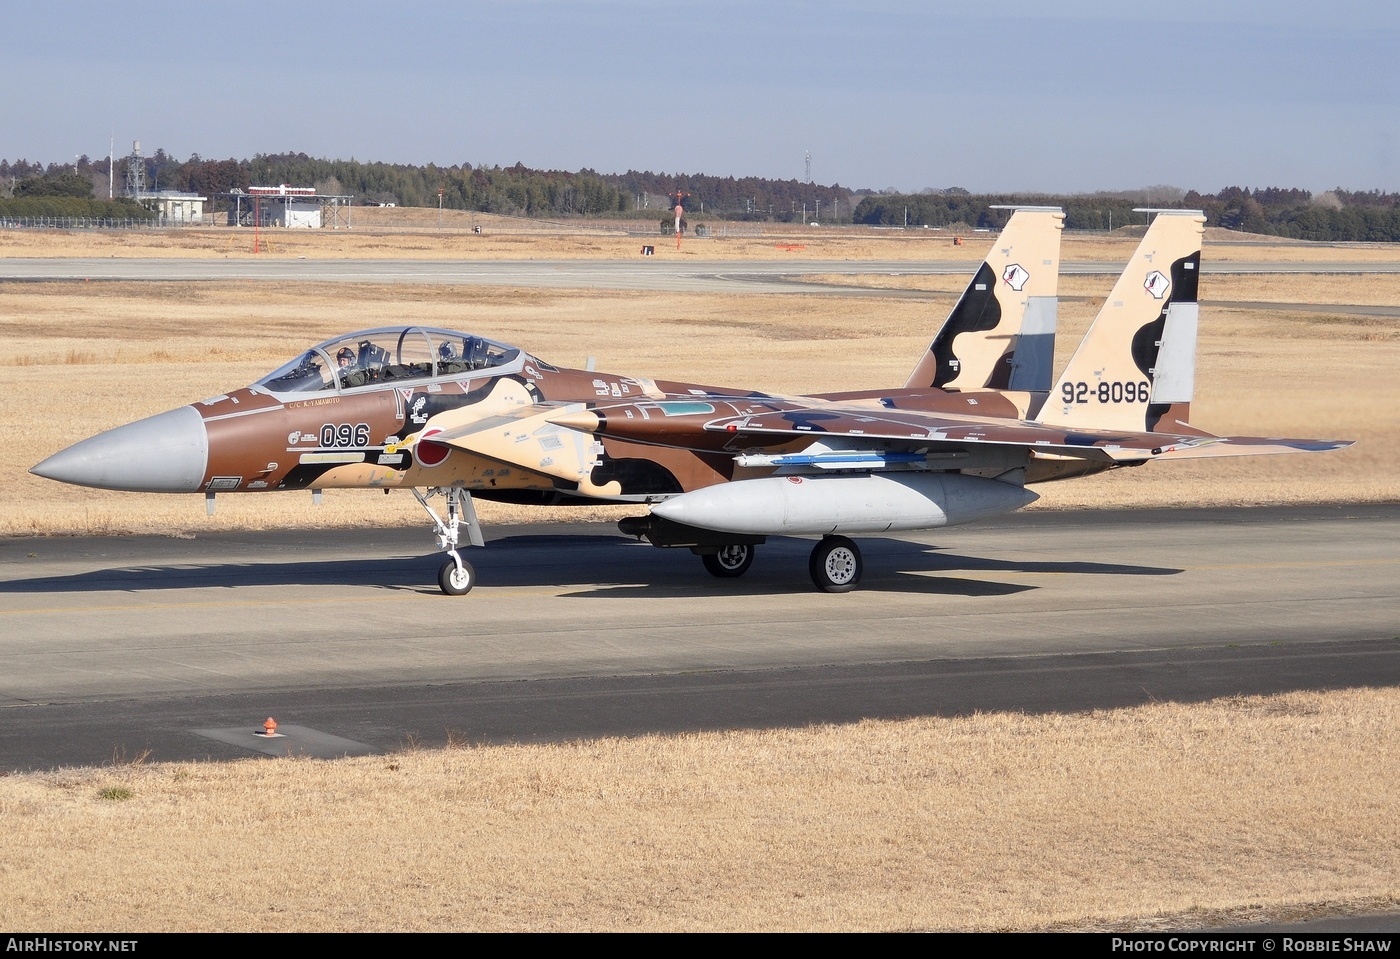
(92, 223)
(496, 223)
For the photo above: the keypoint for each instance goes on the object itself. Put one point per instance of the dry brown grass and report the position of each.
(1160, 816)
(405, 234)
(500, 240)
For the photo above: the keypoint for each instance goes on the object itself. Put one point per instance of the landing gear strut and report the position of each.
(835, 565)
(456, 577)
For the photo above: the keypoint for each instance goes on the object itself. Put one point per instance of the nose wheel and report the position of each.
(456, 577)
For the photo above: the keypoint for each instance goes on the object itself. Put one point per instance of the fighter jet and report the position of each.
(462, 416)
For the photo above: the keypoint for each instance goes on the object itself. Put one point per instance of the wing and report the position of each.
(524, 437)
(576, 442)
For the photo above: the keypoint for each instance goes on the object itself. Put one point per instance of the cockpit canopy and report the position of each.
(398, 354)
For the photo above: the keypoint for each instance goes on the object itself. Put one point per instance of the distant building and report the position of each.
(175, 207)
(290, 206)
(285, 206)
(171, 206)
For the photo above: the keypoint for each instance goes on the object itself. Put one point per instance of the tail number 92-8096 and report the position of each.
(1106, 392)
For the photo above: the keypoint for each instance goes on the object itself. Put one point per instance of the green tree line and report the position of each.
(511, 190)
(1274, 211)
(516, 190)
(33, 206)
(519, 190)
(61, 192)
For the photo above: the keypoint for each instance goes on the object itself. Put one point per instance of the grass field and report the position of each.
(1167, 816)
(410, 234)
(1160, 817)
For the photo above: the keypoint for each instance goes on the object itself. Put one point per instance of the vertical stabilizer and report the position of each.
(1136, 365)
(1001, 333)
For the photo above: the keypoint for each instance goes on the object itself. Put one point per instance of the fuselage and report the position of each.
(360, 411)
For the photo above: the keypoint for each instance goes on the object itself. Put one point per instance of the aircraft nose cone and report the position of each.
(166, 453)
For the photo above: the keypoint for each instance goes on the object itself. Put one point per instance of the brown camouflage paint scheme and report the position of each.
(976, 347)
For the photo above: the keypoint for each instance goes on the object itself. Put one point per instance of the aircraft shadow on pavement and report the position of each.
(891, 565)
(399, 573)
(601, 565)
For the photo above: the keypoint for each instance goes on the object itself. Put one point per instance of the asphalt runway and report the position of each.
(117, 648)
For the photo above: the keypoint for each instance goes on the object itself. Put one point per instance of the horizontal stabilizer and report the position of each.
(1252, 446)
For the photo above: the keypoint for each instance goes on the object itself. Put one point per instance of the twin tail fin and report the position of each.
(1001, 333)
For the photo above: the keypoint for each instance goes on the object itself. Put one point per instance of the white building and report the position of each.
(290, 206)
(175, 207)
(286, 206)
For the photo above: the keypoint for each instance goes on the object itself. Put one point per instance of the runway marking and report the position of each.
(293, 741)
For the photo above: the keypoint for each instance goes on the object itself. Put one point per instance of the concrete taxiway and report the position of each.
(631, 274)
(753, 276)
(181, 648)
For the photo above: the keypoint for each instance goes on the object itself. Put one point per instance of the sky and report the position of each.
(1074, 96)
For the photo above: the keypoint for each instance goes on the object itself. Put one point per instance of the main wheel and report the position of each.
(455, 580)
(835, 565)
(732, 560)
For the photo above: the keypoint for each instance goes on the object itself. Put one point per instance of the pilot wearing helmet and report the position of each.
(350, 373)
(448, 361)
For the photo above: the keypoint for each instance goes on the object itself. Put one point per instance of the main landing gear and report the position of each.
(731, 561)
(835, 563)
(456, 577)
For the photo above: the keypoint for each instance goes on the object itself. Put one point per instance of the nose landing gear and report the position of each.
(456, 577)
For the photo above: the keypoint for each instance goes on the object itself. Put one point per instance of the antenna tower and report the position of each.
(135, 172)
(809, 166)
